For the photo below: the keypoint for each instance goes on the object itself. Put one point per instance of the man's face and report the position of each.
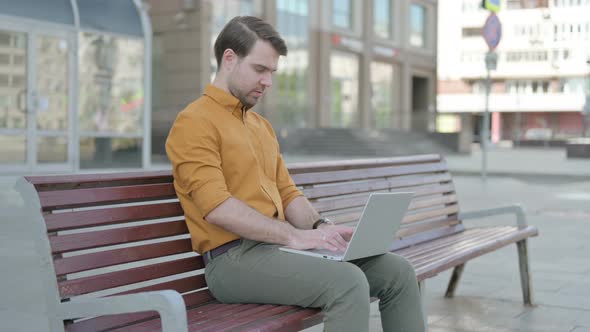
(252, 75)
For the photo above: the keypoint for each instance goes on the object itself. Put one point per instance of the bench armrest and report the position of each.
(169, 304)
(516, 209)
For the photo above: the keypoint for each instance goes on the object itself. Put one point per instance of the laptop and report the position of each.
(375, 231)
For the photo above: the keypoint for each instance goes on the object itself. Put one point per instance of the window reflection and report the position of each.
(12, 149)
(344, 79)
(418, 25)
(382, 18)
(52, 149)
(111, 95)
(52, 83)
(382, 90)
(291, 80)
(110, 152)
(342, 13)
(13, 85)
(223, 11)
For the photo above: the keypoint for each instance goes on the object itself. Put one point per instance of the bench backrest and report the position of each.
(125, 232)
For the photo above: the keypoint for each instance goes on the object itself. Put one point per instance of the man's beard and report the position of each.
(241, 97)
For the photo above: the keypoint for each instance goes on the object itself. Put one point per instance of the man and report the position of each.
(241, 205)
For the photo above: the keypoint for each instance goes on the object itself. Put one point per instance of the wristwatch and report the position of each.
(320, 221)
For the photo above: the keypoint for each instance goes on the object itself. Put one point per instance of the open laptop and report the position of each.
(375, 231)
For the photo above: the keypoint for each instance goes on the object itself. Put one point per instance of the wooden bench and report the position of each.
(123, 234)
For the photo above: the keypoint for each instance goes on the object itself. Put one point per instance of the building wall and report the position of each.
(541, 62)
(179, 68)
(184, 32)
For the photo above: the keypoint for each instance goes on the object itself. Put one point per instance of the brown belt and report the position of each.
(222, 249)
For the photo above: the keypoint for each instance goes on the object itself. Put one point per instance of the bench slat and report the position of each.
(359, 201)
(119, 256)
(75, 198)
(330, 165)
(247, 317)
(413, 217)
(109, 280)
(49, 182)
(408, 230)
(95, 239)
(364, 174)
(124, 321)
(110, 216)
(195, 317)
(354, 216)
(373, 185)
(425, 236)
(464, 242)
(294, 321)
(457, 258)
(437, 244)
(466, 245)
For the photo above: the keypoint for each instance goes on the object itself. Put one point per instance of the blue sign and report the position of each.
(492, 31)
(491, 5)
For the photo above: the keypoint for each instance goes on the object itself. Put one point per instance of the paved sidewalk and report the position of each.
(551, 162)
(520, 162)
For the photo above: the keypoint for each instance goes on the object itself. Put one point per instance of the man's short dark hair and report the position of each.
(241, 33)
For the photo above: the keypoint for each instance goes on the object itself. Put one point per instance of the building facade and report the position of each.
(351, 63)
(539, 88)
(73, 76)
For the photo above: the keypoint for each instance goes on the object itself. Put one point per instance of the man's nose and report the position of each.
(266, 80)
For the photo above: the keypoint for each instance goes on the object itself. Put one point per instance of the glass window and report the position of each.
(344, 80)
(381, 93)
(52, 149)
(342, 13)
(110, 152)
(111, 84)
(13, 148)
(13, 85)
(223, 11)
(292, 77)
(382, 18)
(417, 25)
(52, 83)
(57, 11)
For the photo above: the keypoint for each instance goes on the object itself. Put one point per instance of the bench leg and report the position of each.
(525, 276)
(457, 271)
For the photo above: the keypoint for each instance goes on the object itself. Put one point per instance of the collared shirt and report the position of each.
(219, 150)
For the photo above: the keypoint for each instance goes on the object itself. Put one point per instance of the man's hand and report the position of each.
(329, 237)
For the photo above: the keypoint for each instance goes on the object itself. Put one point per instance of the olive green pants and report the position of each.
(255, 272)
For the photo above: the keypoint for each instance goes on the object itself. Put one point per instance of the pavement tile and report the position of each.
(545, 318)
(581, 329)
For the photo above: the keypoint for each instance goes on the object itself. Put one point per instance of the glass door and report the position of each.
(14, 116)
(50, 138)
(35, 101)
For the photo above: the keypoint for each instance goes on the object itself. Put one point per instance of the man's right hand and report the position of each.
(332, 238)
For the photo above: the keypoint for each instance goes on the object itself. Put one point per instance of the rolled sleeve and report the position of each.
(285, 184)
(193, 147)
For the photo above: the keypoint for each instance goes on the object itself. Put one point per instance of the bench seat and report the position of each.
(109, 237)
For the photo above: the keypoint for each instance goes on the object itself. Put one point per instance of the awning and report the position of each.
(110, 16)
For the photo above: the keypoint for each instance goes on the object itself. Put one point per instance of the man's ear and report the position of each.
(229, 59)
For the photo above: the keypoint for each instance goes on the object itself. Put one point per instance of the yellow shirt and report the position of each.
(220, 150)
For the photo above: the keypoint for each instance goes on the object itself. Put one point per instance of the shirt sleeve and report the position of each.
(193, 147)
(285, 184)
